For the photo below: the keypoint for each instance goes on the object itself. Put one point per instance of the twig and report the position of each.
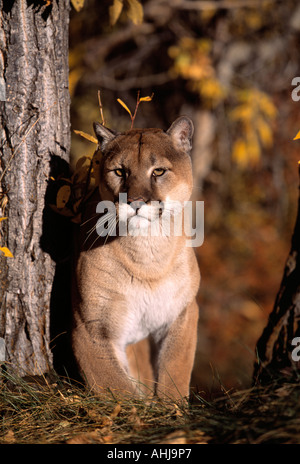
(109, 81)
(222, 4)
(101, 108)
(136, 108)
(138, 101)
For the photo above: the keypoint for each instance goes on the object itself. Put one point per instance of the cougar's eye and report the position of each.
(158, 172)
(120, 172)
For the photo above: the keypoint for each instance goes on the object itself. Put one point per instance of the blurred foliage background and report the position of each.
(229, 65)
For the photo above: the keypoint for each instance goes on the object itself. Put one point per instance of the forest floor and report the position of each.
(58, 412)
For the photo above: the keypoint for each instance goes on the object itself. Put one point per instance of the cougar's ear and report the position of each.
(181, 132)
(103, 134)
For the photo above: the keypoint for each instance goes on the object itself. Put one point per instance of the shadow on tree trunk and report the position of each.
(57, 241)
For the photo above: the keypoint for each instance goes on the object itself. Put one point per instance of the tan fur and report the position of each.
(134, 296)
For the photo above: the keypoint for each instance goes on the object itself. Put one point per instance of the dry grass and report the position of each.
(54, 410)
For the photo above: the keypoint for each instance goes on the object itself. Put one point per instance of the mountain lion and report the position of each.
(135, 291)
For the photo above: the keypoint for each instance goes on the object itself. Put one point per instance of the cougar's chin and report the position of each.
(138, 222)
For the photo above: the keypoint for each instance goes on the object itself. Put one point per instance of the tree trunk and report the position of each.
(34, 130)
(275, 347)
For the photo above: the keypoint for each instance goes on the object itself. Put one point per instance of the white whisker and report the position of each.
(89, 234)
(100, 222)
(88, 220)
(112, 226)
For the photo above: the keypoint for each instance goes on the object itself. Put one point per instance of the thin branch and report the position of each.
(101, 108)
(136, 108)
(99, 49)
(222, 4)
(108, 82)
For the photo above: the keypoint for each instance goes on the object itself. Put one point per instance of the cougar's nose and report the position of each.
(136, 203)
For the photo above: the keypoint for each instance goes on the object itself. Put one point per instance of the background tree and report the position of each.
(275, 346)
(34, 134)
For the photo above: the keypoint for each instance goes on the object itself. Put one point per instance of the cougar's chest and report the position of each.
(152, 309)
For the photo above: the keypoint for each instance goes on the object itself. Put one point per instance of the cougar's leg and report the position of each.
(140, 367)
(102, 363)
(175, 357)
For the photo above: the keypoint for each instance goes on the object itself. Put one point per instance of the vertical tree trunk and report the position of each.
(34, 128)
(274, 348)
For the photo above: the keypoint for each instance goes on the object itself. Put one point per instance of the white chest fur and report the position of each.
(152, 310)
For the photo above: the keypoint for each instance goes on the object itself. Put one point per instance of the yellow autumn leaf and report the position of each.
(63, 196)
(86, 136)
(2, 218)
(74, 77)
(146, 99)
(77, 4)
(114, 11)
(135, 11)
(239, 152)
(297, 136)
(124, 106)
(82, 161)
(267, 106)
(81, 174)
(7, 252)
(211, 90)
(265, 132)
(245, 94)
(242, 112)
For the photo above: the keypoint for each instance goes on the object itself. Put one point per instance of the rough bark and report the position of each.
(34, 129)
(274, 348)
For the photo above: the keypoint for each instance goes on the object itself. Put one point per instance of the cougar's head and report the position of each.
(146, 172)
